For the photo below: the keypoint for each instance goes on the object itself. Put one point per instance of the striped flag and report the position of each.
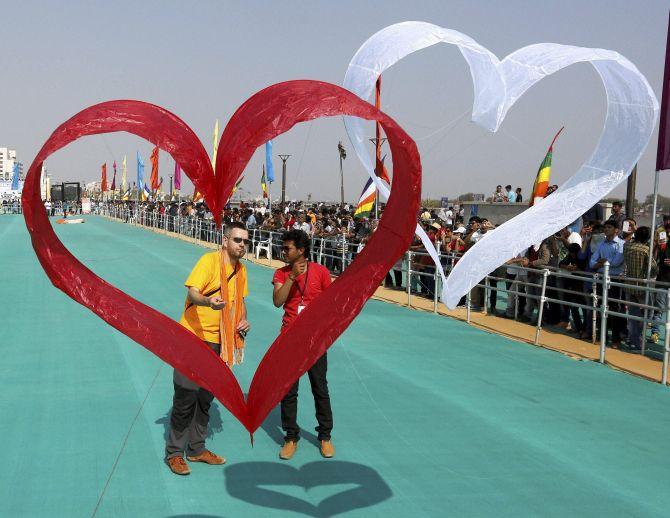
(264, 184)
(543, 174)
(380, 168)
(366, 202)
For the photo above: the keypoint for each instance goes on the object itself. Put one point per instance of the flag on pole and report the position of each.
(124, 169)
(140, 172)
(366, 202)
(103, 182)
(380, 168)
(264, 184)
(663, 151)
(15, 177)
(146, 192)
(154, 169)
(237, 185)
(215, 146)
(268, 162)
(177, 176)
(113, 188)
(215, 143)
(543, 174)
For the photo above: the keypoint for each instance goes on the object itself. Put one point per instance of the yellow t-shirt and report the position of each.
(203, 321)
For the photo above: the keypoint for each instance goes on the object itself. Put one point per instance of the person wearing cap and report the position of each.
(611, 250)
(455, 243)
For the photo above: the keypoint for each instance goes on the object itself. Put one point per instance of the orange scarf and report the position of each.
(232, 342)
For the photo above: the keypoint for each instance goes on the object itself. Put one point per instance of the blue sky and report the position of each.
(202, 59)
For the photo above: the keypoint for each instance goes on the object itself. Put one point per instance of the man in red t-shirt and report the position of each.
(295, 286)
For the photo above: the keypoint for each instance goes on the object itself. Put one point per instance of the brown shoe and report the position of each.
(178, 466)
(327, 449)
(208, 458)
(288, 450)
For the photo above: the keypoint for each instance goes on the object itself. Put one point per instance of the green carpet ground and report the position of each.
(432, 417)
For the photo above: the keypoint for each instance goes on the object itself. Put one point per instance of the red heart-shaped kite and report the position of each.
(264, 116)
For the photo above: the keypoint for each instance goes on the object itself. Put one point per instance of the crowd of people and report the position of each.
(580, 249)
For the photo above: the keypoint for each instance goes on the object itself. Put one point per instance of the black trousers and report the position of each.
(189, 417)
(324, 414)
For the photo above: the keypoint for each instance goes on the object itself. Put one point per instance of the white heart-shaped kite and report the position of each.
(632, 109)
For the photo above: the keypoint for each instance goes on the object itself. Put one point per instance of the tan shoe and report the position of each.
(288, 450)
(178, 466)
(327, 449)
(208, 458)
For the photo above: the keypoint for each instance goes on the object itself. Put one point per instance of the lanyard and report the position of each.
(302, 291)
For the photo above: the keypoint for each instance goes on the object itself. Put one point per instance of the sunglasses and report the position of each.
(238, 240)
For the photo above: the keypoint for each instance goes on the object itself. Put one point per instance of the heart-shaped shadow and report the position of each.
(245, 480)
(632, 109)
(264, 116)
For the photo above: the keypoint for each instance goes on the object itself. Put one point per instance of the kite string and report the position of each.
(302, 156)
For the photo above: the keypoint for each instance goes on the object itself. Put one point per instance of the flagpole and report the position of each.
(661, 164)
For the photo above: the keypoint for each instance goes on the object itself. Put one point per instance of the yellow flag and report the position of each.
(215, 143)
(123, 174)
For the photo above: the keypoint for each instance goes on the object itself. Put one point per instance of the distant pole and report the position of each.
(630, 192)
(343, 156)
(284, 158)
(170, 187)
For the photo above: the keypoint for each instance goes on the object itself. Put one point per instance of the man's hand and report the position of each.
(600, 264)
(525, 262)
(666, 262)
(216, 302)
(299, 267)
(244, 325)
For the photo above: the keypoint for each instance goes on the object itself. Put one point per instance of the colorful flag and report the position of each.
(366, 203)
(124, 169)
(146, 192)
(268, 161)
(140, 172)
(113, 188)
(264, 185)
(154, 169)
(380, 168)
(177, 176)
(215, 143)
(215, 146)
(103, 182)
(544, 172)
(663, 150)
(237, 185)
(15, 177)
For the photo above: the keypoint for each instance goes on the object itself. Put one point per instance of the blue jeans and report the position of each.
(658, 300)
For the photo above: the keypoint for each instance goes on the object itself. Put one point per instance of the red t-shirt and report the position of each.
(305, 289)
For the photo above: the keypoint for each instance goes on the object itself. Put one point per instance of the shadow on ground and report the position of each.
(248, 481)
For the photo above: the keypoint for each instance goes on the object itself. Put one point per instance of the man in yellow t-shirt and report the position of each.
(203, 316)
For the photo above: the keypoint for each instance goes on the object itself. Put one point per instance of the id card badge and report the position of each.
(300, 308)
(662, 236)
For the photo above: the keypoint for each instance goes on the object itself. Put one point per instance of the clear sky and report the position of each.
(202, 59)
